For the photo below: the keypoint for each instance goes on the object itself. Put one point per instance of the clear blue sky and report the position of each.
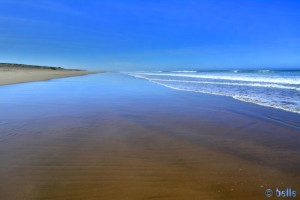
(151, 35)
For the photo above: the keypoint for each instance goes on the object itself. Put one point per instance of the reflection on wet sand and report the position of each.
(131, 144)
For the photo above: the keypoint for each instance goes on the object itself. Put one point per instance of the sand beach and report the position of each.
(149, 100)
(19, 73)
(112, 136)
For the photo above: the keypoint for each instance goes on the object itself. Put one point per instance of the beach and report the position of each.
(114, 136)
(18, 73)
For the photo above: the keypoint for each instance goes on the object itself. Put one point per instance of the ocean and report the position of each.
(273, 88)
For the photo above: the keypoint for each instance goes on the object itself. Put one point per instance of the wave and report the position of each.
(267, 85)
(280, 80)
(270, 94)
(253, 71)
(238, 97)
(264, 71)
(184, 71)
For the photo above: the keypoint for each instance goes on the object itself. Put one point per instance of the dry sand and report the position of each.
(17, 73)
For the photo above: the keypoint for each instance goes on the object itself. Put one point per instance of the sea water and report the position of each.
(274, 88)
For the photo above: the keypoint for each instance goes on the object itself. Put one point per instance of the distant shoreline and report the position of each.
(19, 73)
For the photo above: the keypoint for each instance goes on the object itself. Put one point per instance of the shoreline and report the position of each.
(111, 132)
(18, 73)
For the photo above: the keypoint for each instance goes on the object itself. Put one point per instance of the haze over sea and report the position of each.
(273, 88)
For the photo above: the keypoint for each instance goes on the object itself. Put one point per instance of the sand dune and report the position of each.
(18, 73)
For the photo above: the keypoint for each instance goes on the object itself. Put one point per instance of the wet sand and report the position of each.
(116, 137)
(17, 73)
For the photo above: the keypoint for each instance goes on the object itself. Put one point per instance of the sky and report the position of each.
(151, 35)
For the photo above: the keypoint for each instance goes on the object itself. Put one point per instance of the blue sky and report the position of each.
(151, 35)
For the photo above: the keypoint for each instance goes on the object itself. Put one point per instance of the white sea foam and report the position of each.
(267, 85)
(268, 104)
(263, 79)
